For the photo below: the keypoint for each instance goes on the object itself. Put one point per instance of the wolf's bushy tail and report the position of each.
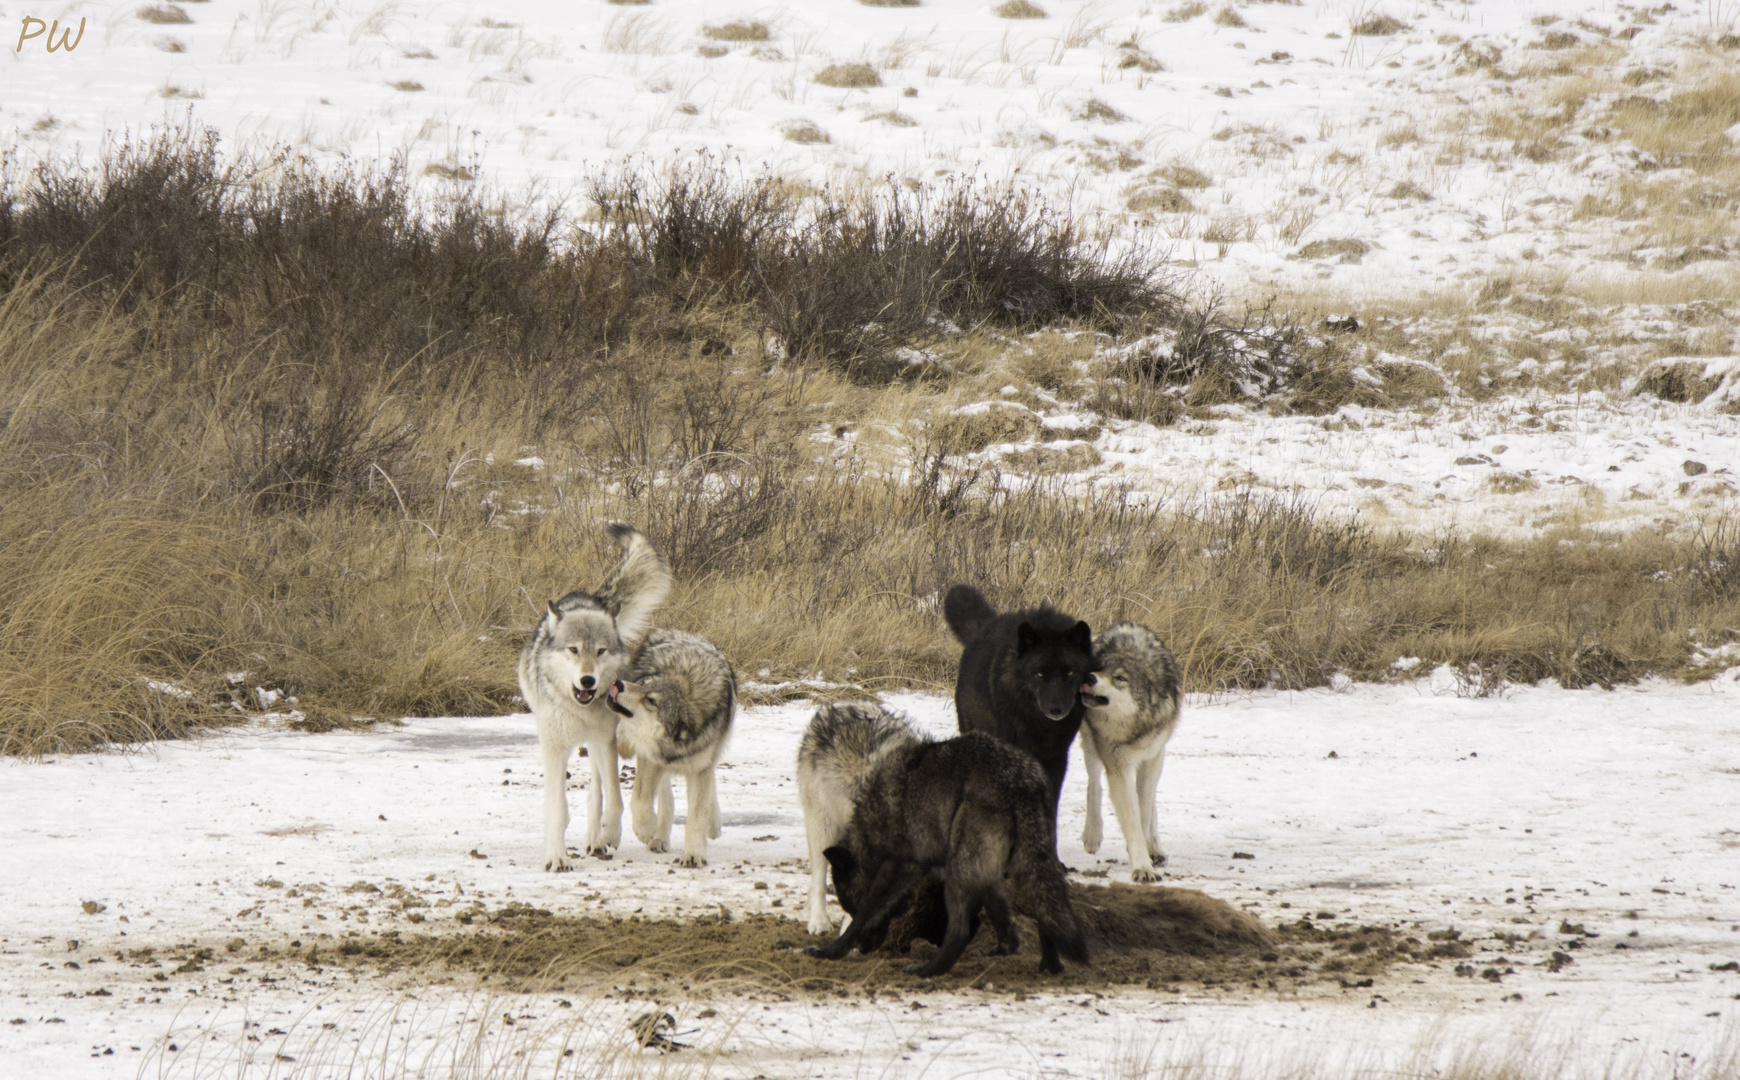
(1040, 878)
(967, 610)
(638, 586)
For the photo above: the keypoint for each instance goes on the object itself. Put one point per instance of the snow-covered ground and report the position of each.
(1300, 129)
(1400, 805)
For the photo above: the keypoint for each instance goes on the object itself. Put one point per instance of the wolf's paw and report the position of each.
(1001, 949)
(561, 864)
(1158, 856)
(600, 851)
(1090, 839)
(820, 926)
(690, 862)
(830, 951)
(925, 970)
(1144, 873)
(658, 846)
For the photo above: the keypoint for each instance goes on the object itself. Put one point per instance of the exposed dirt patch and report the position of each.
(1148, 936)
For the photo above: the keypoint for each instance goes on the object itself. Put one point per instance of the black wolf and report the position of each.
(973, 810)
(1021, 677)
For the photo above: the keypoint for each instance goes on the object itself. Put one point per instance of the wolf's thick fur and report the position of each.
(675, 710)
(1021, 676)
(973, 809)
(575, 652)
(1132, 704)
(839, 748)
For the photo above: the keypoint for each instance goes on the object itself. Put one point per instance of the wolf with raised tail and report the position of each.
(976, 812)
(675, 709)
(1132, 701)
(577, 650)
(842, 744)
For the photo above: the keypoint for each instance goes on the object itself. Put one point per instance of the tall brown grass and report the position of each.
(290, 450)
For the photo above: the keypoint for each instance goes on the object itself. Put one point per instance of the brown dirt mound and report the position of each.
(1140, 935)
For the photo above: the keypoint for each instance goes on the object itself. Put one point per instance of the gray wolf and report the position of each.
(1021, 676)
(839, 748)
(574, 653)
(1132, 708)
(974, 811)
(675, 710)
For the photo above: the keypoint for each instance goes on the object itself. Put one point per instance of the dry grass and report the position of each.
(849, 76)
(299, 462)
(738, 30)
(1018, 9)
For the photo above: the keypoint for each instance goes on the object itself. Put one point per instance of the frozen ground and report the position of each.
(1406, 804)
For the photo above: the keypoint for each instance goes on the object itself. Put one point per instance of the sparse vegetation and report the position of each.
(1018, 9)
(163, 14)
(1379, 26)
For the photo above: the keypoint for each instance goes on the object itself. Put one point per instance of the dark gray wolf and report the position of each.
(973, 810)
(573, 655)
(1021, 677)
(1132, 704)
(842, 744)
(675, 709)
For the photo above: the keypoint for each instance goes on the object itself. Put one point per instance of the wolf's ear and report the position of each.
(844, 865)
(1024, 638)
(614, 609)
(1082, 635)
(554, 610)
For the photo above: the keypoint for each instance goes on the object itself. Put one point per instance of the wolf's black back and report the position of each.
(990, 692)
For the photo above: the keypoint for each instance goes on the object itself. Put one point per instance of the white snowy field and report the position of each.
(1293, 127)
(1529, 815)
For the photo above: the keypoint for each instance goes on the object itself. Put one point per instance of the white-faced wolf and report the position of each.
(975, 811)
(839, 748)
(574, 654)
(1021, 677)
(676, 706)
(1132, 708)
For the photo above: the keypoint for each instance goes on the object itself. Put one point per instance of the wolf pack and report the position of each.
(889, 812)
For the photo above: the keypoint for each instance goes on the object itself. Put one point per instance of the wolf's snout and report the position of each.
(587, 682)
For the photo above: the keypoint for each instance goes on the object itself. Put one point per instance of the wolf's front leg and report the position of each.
(695, 829)
(1090, 833)
(666, 805)
(1123, 781)
(556, 808)
(648, 781)
(607, 763)
(817, 841)
(1147, 779)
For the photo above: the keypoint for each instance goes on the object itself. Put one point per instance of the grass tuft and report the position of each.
(849, 76)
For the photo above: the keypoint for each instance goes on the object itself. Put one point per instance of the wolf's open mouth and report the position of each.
(584, 697)
(610, 700)
(1096, 699)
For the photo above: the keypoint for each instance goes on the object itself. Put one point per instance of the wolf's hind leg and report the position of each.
(997, 910)
(556, 808)
(963, 903)
(817, 839)
(1090, 833)
(715, 823)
